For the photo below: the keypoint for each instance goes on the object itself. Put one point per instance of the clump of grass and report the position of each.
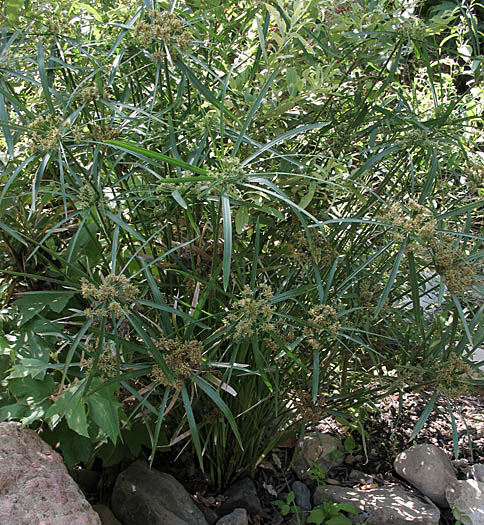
(261, 194)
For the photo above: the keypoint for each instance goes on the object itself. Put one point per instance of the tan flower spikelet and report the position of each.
(252, 314)
(452, 376)
(165, 28)
(106, 365)
(181, 357)
(108, 297)
(324, 251)
(311, 413)
(458, 274)
(324, 325)
(419, 222)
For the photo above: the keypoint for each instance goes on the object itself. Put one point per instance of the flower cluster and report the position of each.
(106, 365)
(415, 138)
(252, 315)
(419, 222)
(88, 196)
(45, 133)
(458, 274)
(181, 357)
(115, 290)
(324, 323)
(451, 377)
(309, 412)
(368, 292)
(411, 28)
(165, 28)
(96, 134)
(228, 173)
(87, 94)
(474, 175)
(324, 252)
(409, 375)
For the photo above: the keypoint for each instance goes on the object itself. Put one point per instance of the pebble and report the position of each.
(303, 495)
(350, 460)
(332, 481)
(360, 477)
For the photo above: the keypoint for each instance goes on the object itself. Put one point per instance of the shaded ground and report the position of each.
(387, 433)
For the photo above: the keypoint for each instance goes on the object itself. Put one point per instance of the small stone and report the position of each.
(460, 463)
(242, 494)
(467, 497)
(360, 477)
(381, 506)
(302, 495)
(332, 481)
(236, 517)
(106, 515)
(142, 495)
(316, 447)
(427, 468)
(477, 472)
(350, 460)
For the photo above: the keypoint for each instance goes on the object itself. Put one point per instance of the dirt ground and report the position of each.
(387, 434)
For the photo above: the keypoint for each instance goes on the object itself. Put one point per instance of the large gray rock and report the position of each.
(427, 468)
(35, 487)
(389, 504)
(467, 496)
(236, 517)
(243, 495)
(477, 472)
(317, 448)
(142, 495)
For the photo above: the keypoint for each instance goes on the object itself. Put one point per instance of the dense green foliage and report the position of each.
(220, 221)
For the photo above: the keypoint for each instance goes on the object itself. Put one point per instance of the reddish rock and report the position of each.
(35, 487)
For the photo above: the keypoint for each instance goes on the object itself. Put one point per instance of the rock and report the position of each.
(467, 497)
(427, 468)
(462, 463)
(106, 515)
(389, 504)
(242, 494)
(477, 472)
(236, 517)
(35, 486)
(316, 447)
(360, 477)
(142, 495)
(210, 515)
(302, 495)
(350, 460)
(332, 481)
